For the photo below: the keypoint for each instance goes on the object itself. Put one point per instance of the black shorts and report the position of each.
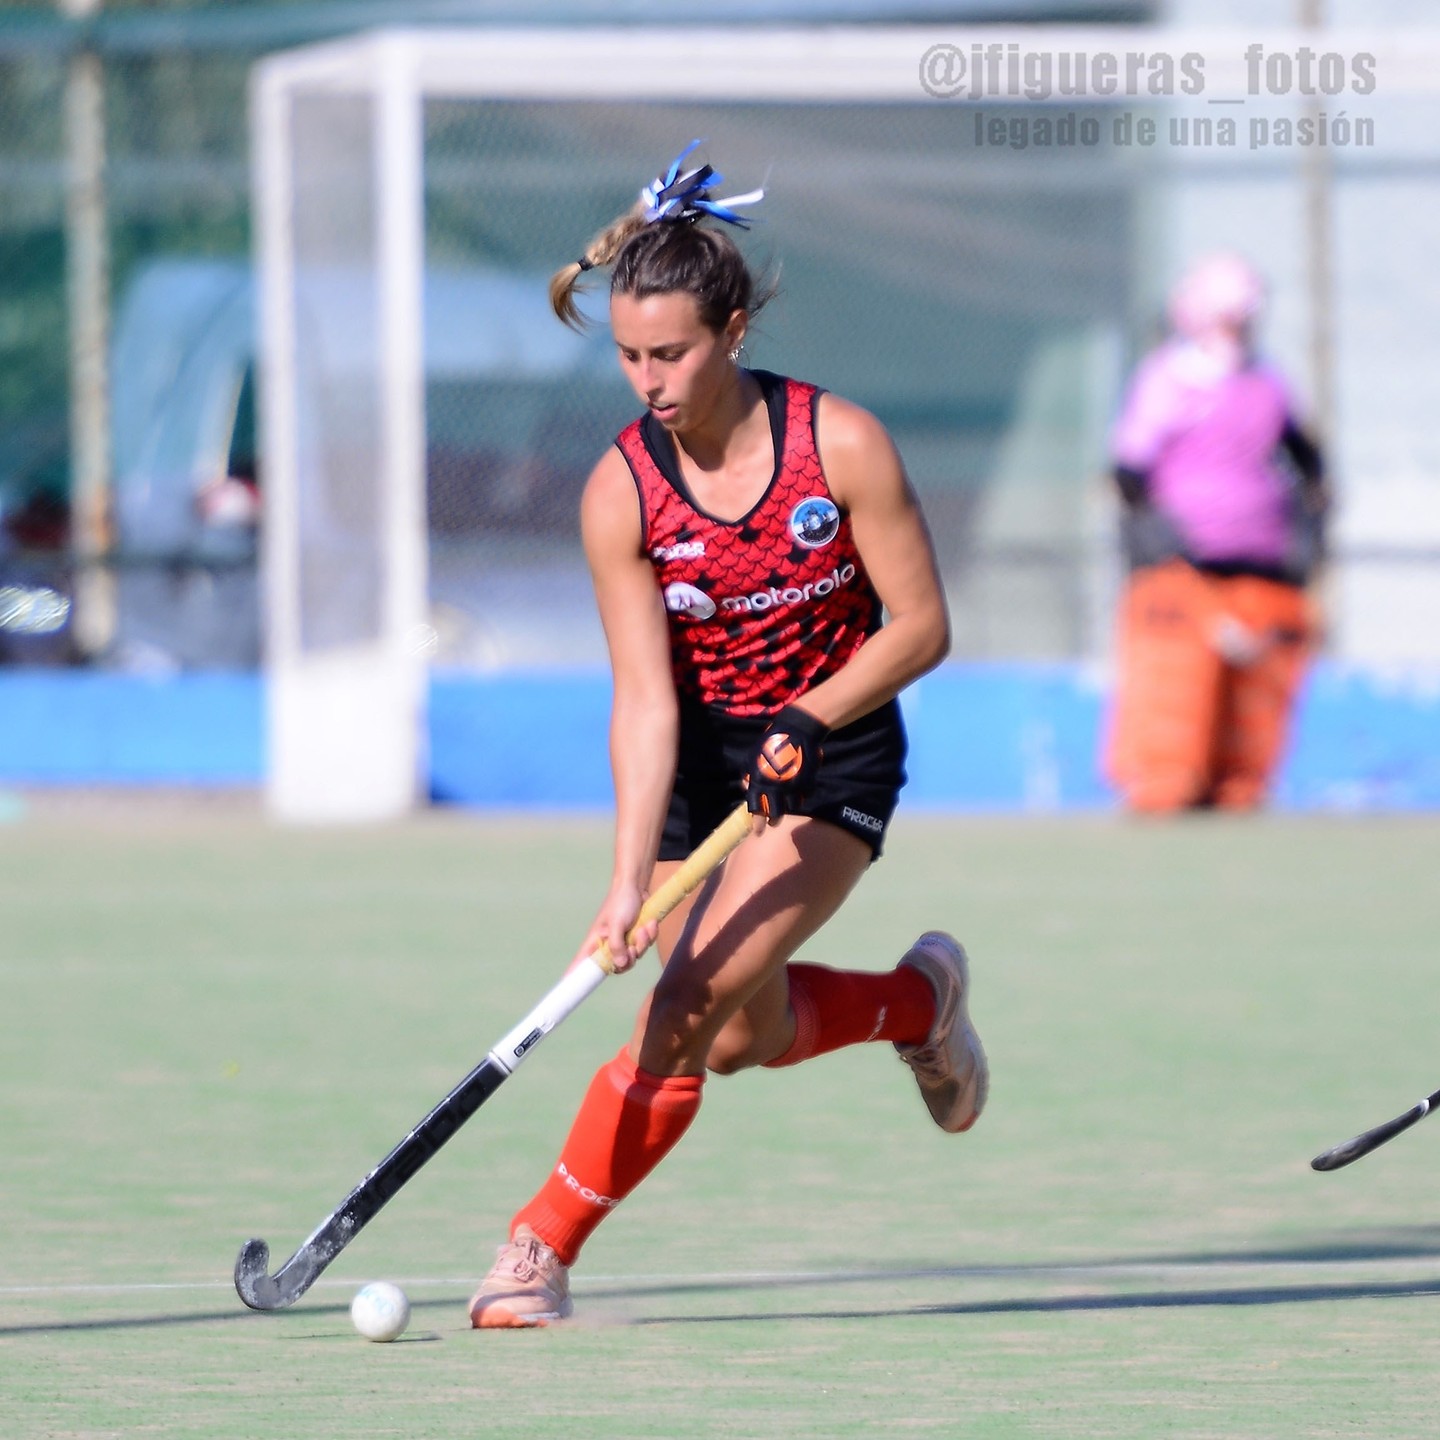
(856, 787)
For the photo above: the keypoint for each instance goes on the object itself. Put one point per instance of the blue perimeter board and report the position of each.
(984, 737)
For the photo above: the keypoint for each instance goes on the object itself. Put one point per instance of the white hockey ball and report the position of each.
(380, 1311)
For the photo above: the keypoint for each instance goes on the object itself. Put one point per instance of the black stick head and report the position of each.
(1353, 1149)
(252, 1278)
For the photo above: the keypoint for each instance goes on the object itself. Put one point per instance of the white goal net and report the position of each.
(970, 248)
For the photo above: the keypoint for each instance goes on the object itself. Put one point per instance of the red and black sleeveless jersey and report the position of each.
(763, 607)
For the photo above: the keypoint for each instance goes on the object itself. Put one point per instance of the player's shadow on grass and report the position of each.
(1418, 1243)
(1038, 1305)
(1414, 1243)
(1063, 1304)
(1411, 1242)
(236, 1312)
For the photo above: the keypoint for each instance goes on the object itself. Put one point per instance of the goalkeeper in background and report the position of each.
(1224, 499)
(744, 537)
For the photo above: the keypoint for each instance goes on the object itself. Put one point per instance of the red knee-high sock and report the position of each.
(834, 1008)
(627, 1123)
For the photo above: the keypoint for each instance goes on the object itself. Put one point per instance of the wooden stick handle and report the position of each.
(699, 866)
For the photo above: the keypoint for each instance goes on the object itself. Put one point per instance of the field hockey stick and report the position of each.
(262, 1291)
(1339, 1155)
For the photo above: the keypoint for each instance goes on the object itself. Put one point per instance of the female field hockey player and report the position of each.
(744, 536)
(1215, 623)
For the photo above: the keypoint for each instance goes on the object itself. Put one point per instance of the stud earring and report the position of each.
(736, 353)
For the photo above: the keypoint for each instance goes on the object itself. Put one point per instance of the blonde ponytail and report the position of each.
(598, 253)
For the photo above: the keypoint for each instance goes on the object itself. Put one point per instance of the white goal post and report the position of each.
(340, 189)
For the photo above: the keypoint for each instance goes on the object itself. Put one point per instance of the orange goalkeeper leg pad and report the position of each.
(1260, 697)
(1168, 690)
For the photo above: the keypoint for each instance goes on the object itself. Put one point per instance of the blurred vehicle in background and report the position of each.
(508, 395)
(186, 496)
(35, 591)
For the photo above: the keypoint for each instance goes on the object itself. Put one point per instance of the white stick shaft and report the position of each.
(575, 985)
(584, 978)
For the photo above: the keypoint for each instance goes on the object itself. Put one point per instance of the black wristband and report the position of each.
(795, 721)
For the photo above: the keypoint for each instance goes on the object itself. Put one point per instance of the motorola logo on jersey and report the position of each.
(683, 599)
(789, 594)
(815, 522)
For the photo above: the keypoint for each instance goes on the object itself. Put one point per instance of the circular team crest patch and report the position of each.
(815, 522)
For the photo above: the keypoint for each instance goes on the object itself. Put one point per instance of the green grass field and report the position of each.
(213, 1028)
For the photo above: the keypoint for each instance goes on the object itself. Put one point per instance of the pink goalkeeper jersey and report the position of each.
(1206, 435)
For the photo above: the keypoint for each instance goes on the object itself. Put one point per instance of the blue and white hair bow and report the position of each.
(676, 196)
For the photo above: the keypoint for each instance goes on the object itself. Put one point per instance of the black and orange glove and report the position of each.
(783, 769)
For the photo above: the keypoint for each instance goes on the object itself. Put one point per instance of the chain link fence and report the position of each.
(982, 290)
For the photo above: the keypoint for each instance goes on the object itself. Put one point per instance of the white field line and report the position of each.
(1097, 1270)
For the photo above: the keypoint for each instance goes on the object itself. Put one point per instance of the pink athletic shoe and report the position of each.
(526, 1287)
(950, 1066)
